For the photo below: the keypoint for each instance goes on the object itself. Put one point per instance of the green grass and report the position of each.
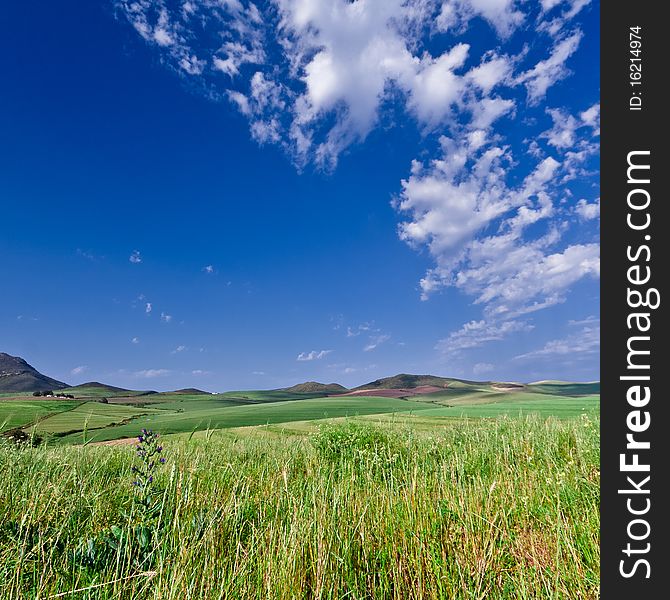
(565, 388)
(502, 508)
(175, 413)
(88, 415)
(17, 413)
(254, 414)
(271, 395)
(524, 404)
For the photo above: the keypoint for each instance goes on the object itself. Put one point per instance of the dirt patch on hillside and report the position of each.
(392, 393)
(121, 442)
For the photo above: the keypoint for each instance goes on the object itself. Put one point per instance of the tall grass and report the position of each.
(488, 509)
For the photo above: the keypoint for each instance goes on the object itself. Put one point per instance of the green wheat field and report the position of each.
(470, 493)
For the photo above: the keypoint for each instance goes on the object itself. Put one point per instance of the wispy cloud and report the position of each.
(148, 308)
(313, 355)
(178, 349)
(165, 317)
(482, 368)
(88, 255)
(477, 333)
(375, 341)
(79, 370)
(357, 330)
(135, 340)
(586, 341)
(588, 210)
(485, 206)
(135, 257)
(151, 373)
(209, 269)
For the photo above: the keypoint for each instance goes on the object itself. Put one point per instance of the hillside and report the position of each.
(188, 391)
(316, 387)
(95, 389)
(16, 375)
(406, 381)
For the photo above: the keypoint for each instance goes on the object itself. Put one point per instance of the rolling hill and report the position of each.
(406, 381)
(95, 389)
(316, 387)
(16, 375)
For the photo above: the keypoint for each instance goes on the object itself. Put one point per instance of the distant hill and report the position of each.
(95, 389)
(98, 385)
(188, 391)
(16, 375)
(565, 388)
(316, 387)
(405, 381)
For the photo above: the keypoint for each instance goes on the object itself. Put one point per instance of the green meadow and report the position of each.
(471, 492)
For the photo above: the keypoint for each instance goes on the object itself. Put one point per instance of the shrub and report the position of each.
(363, 445)
(21, 438)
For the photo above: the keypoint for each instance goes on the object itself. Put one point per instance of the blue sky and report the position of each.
(230, 195)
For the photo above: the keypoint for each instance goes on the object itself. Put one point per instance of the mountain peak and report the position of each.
(16, 375)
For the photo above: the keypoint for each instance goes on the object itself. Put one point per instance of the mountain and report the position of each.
(95, 389)
(316, 387)
(16, 375)
(405, 381)
(96, 385)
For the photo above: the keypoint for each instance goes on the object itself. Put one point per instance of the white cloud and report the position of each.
(313, 355)
(165, 317)
(375, 341)
(148, 308)
(477, 333)
(178, 349)
(151, 373)
(200, 372)
(79, 370)
(547, 72)
(336, 63)
(502, 15)
(588, 210)
(473, 224)
(208, 269)
(591, 117)
(358, 329)
(584, 342)
(493, 229)
(135, 340)
(565, 129)
(555, 25)
(135, 257)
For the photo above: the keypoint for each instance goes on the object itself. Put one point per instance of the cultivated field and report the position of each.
(470, 492)
(86, 419)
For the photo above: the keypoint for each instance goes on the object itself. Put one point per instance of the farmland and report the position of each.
(469, 492)
(101, 413)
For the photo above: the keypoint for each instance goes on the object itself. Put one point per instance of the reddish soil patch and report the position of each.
(121, 442)
(393, 393)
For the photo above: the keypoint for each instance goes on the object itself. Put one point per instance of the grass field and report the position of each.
(372, 507)
(216, 417)
(470, 492)
(87, 416)
(22, 411)
(127, 411)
